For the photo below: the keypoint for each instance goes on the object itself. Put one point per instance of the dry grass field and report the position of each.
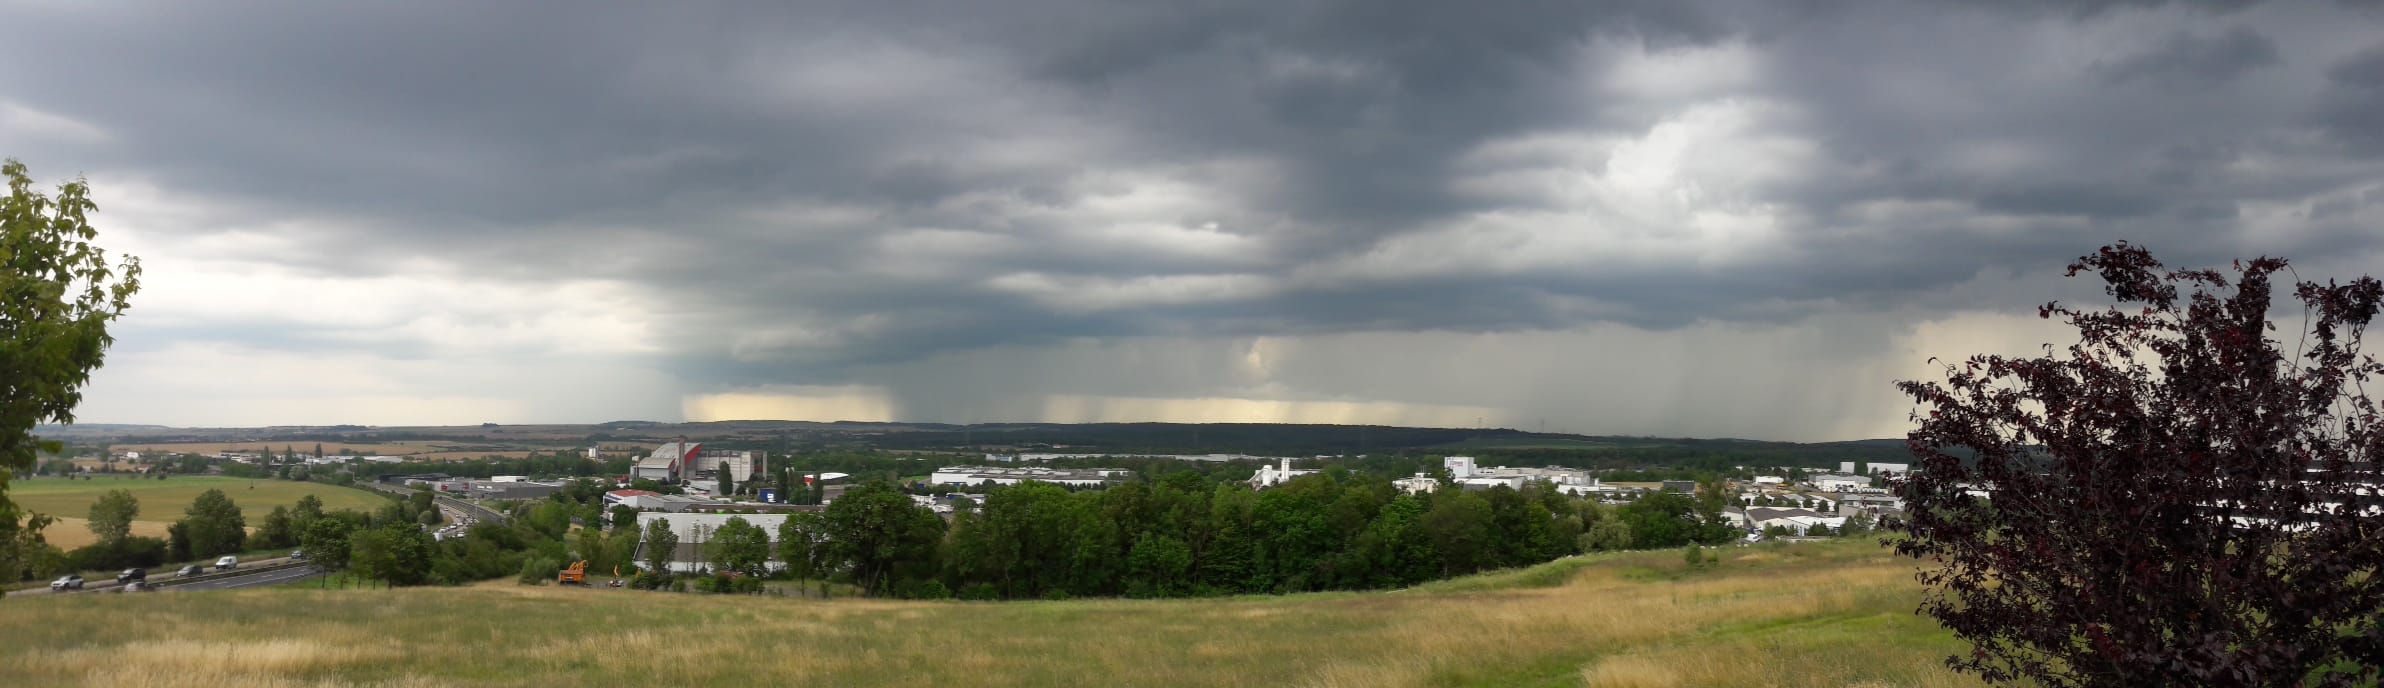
(1829, 614)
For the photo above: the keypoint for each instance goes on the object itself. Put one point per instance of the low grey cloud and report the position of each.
(2188, 60)
(873, 196)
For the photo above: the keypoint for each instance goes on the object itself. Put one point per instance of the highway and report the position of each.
(253, 580)
(475, 510)
(163, 577)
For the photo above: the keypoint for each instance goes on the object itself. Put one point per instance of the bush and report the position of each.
(539, 570)
(136, 551)
(649, 580)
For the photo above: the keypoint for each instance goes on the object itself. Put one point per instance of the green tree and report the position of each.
(1662, 520)
(882, 536)
(278, 530)
(111, 516)
(741, 547)
(660, 543)
(800, 546)
(326, 543)
(178, 541)
(1607, 535)
(58, 293)
(397, 554)
(215, 525)
(728, 483)
(303, 515)
(1459, 528)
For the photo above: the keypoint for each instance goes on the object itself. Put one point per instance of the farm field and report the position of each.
(1823, 614)
(212, 448)
(162, 501)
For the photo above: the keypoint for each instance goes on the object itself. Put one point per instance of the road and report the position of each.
(253, 580)
(475, 510)
(163, 577)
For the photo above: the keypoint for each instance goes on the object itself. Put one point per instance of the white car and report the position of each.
(227, 563)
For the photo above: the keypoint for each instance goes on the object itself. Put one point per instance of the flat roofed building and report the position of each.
(696, 530)
(979, 475)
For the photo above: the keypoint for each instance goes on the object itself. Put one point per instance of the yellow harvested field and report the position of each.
(75, 531)
(404, 448)
(163, 501)
(468, 455)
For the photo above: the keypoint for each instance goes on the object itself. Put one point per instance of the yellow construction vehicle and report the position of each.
(576, 575)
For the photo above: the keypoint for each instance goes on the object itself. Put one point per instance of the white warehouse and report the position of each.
(695, 531)
(979, 475)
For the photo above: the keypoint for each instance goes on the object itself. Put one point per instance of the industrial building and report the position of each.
(695, 532)
(490, 489)
(1571, 481)
(979, 475)
(1030, 457)
(1270, 476)
(684, 462)
(1419, 484)
(1840, 483)
(643, 500)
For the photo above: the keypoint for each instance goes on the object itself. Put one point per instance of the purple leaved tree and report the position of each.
(2180, 498)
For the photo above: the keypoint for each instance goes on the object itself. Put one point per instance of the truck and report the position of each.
(577, 574)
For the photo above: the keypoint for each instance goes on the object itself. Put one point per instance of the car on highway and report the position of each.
(132, 574)
(227, 563)
(135, 586)
(67, 582)
(298, 554)
(188, 571)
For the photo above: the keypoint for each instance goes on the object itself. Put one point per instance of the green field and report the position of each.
(1829, 614)
(162, 501)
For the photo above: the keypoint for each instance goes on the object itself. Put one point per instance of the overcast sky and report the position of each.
(1661, 217)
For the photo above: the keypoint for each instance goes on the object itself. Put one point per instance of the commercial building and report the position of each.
(979, 475)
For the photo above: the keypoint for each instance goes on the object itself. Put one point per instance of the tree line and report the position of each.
(1183, 535)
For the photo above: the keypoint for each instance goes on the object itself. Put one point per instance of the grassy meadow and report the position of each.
(162, 501)
(1823, 614)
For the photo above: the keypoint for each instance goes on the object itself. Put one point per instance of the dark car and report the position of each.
(133, 574)
(298, 554)
(188, 571)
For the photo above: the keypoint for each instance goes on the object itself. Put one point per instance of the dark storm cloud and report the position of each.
(2188, 60)
(824, 189)
(2353, 109)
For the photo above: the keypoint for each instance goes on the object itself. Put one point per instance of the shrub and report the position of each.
(539, 570)
(130, 552)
